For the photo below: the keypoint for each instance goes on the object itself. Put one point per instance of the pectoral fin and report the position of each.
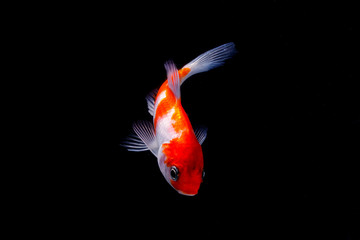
(143, 140)
(201, 133)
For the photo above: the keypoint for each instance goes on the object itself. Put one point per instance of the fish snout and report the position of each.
(187, 194)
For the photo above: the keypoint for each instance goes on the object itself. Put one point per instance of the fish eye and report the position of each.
(174, 173)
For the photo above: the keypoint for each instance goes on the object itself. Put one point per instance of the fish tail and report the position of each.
(208, 60)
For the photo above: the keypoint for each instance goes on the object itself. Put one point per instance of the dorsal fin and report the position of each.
(173, 78)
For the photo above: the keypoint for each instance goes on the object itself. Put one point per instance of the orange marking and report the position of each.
(183, 72)
(166, 104)
(181, 120)
(185, 151)
(186, 155)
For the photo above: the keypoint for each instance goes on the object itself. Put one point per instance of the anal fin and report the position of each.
(173, 78)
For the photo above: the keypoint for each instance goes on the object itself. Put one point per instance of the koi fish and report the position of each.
(170, 137)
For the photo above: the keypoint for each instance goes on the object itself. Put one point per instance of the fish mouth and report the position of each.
(186, 194)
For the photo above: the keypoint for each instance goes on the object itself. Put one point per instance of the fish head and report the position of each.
(182, 166)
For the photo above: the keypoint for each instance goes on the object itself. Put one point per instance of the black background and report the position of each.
(283, 117)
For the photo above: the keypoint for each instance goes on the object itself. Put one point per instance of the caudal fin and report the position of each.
(208, 60)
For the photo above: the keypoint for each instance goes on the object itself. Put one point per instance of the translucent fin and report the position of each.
(201, 133)
(173, 78)
(150, 99)
(209, 60)
(134, 144)
(143, 140)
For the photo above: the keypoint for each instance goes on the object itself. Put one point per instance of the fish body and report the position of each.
(180, 153)
(170, 137)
